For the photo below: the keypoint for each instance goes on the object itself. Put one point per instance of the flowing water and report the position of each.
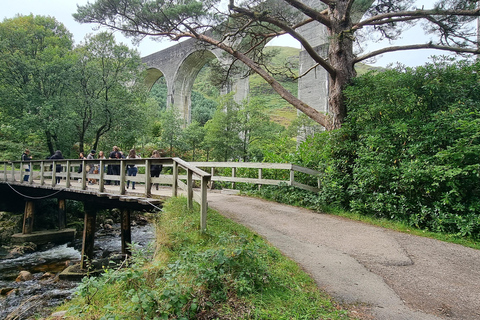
(22, 300)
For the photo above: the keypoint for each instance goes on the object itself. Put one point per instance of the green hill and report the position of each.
(283, 60)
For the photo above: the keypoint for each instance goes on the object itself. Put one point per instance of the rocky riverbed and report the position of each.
(30, 285)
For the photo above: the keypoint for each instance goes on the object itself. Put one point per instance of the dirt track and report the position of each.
(398, 276)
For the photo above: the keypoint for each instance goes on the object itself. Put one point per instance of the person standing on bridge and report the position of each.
(91, 166)
(155, 169)
(132, 168)
(26, 157)
(58, 168)
(114, 169)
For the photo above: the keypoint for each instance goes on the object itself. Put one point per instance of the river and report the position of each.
(36, 297)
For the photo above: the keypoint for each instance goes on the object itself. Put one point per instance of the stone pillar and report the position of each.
(62, 214)
(88, 235)
(126, 232)
(28, 217)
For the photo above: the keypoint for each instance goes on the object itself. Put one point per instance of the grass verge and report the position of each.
(227, 272)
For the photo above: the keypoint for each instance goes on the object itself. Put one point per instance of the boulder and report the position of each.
(24, 276)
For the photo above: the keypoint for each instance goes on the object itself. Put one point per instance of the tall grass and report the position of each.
(227, 272)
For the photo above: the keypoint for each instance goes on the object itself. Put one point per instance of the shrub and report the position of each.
(409, 148)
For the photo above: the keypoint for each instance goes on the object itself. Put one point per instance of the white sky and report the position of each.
(62, 10)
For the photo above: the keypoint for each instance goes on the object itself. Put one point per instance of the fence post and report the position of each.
(204, 204)
(292, 176)
(42, 173)
(84, 175)
(175, 179)
(189, 189)
(212, 173)
(5, 171)
(122, 177)
(13, 171)
(234, 171)
(54, 174)
(69, 171)
(260, 176)
(101, 181)
(148, 179)
(21, 172)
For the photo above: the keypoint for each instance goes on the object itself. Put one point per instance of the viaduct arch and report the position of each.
(181, 63)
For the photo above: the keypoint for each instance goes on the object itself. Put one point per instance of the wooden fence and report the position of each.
(43, 173)
(177, 173)
(259, 179)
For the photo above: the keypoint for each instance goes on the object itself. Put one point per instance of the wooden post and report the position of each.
(122, 177)
(148, 179)
(54, 174)
(204, 204)
(5, 171)
(212, 173)
(101, 181)
(28, 217)
(62, 214)
(175, 179)
(42, 173)
(260, 174)
(234, 171)
(13, 171)
(126, 232)
(84, 175)
(189, 189)
(292, 176)
(88, 235)
(69, 172)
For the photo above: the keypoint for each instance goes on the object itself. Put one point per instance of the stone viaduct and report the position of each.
(181, 63)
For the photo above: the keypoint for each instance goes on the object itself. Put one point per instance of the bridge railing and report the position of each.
(45, 173)
(259, 179)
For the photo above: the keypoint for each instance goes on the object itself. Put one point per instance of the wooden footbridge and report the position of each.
(35, 180)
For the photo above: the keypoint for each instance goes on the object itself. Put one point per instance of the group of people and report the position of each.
(132, 169)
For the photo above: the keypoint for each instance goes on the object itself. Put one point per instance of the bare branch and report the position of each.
(293, 33)
(316, 15)
(416, 47)
(321, 118)
(417, 14)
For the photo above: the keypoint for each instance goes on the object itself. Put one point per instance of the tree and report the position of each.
(107, 90)
(169, 130)
(242, 29)
(223, 130)
(193, 135)
(35, 64)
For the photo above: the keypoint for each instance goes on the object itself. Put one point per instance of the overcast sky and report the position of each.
(62, 10)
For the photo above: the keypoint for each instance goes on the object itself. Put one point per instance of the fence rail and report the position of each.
(259, 177)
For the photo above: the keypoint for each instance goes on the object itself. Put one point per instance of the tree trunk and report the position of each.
(50, 145)
(340, 55)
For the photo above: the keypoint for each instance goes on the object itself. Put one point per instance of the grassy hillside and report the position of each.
(284, 58)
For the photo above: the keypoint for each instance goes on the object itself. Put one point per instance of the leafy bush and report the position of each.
(224, 273)
(409, 149)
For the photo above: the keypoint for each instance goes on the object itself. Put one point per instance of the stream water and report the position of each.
(23, 300)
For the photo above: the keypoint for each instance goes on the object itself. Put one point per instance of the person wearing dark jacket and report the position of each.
(155, 169)
(26, 157)
(58, 168)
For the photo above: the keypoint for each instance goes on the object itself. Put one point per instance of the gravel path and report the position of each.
(398, 276)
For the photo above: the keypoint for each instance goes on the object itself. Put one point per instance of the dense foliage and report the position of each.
(409, 149)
